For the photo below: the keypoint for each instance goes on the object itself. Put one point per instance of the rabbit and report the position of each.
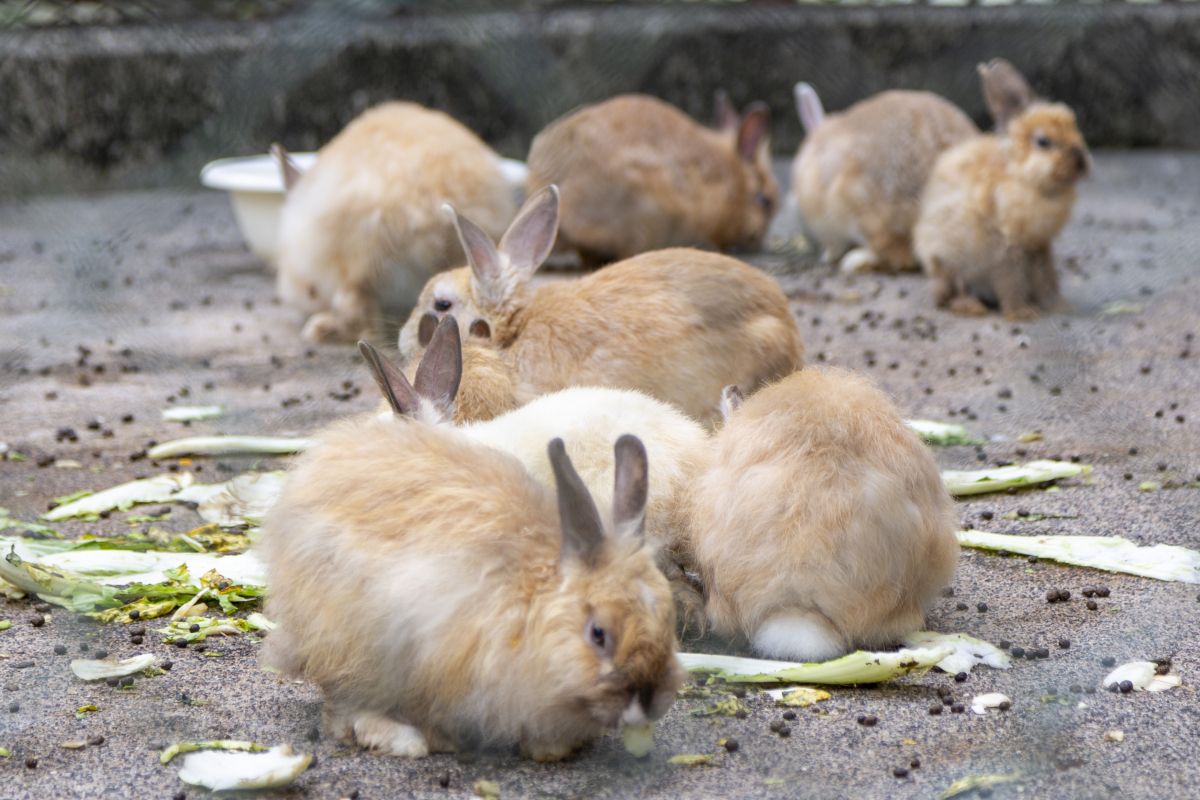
(819, 522)
(676, 324)
(362, 230)
(995, 203)
(858, 176)
(637, 174)
(588, 419)
(442, 599)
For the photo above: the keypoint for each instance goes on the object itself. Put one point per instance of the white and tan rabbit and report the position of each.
(676, 324)
(994, 204)
(588, 420)
(637, 174)
(858, 176)
(362, 230)
(820, 522)
(442, 599)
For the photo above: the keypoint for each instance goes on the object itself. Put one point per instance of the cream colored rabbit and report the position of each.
(588, 420)
(819, 522)
(677, 324)
(443, 600)
(637, 174)
(363, 228)
(858, 177)
(994, 204)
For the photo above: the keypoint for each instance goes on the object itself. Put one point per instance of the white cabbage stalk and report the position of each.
(260, 622)
(981, 481)
(857, 667)
(230, 445)
(122, 567)
(982, 702)
(798, 696)
(973, 783)
(243, 500)
(91, 670)
(180, 748)
(638, 739)
(191, 414)
(232, 771)
(940, 433)
(1164, 562)
(968, 651)
(147, 490)
(1142, 674)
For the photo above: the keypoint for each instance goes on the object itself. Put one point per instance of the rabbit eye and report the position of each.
(1042, 141)
(762, 201)
(442, 305)
(597, 635)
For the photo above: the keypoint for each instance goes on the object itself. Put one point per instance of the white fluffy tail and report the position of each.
(808, 105)
(797, 636)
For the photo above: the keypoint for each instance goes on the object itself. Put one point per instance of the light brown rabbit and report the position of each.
(637, 174)
(994, 204)
(858, 176)
(677, 324)
(820, 522)
(363, 229)
(443, 600)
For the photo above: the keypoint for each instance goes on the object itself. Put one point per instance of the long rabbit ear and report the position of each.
(530, 238)
(630, 487)
(287, 167)
(725, 115)
(396, 389)
(808, 106)
(754, 130)
(487, 272)
(582, 530)
(1005, 91)
(440, 370)
(731, 401)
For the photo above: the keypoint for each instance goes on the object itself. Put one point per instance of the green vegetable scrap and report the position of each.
(205, 627)
(726, 707)
(5, 752)
(5, 624)
(973, 783)
(1110, 553)
(969, 482)
(857, 667)
(36, 528)
(941, 434)
(215, 744)
(691, 759)
(230, 445)
(121, 497)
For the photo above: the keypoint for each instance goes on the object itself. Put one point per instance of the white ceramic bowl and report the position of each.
(256, 190)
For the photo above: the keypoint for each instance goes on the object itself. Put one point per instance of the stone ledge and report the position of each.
(96, 108)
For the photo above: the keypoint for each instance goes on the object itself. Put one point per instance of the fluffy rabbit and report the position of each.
(637, 174)
(994, 204)
(677, 324)
(820, 522)
(588, 419)
(363, 228)
(858, 177)
(443, 600)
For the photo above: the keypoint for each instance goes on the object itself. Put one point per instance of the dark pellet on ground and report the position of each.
(95, 741)
(1126, 687)
(1065, 644)
(101, 654)
(958, 708)
(181, 642)
(1004, 705)
(136, 640)
(1005, 644)
(194, 627)
(14, 707)
(1092, 605)
(789, 715)
(868, 720)
(166, 666)
(31, 763)
(1018, 651)
(1102, 591)
(986, 514)
(37, 621)
(785, 731)
(1108, 661)
(960, 677)
(961, 606)
(900, 772)
(776, 726)
(935, 710)
(915, 763)
(981, 607)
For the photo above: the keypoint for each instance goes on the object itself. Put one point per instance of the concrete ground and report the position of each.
(122, 304)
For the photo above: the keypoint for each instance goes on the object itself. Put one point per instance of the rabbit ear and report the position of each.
(440, 370)
(395, 387)
(631, 486)
(725, 115)
(753, 131)
(426, 328)
(1005, 91)
(530, 237)
(487, 272)
(731, 401)
(808, 106)
(582, 530)
(287, 167)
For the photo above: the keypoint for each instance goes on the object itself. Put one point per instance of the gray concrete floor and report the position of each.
(115, 304)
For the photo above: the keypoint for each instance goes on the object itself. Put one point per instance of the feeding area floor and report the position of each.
(116, 307)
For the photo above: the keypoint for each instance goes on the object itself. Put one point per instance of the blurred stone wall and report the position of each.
(91, 107)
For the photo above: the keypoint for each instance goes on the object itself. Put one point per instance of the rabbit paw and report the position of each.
(967, 306)
(1020, 313)
(546, 752)
(860, 259)
(321, 327)
(689, 610)
(389, 737)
